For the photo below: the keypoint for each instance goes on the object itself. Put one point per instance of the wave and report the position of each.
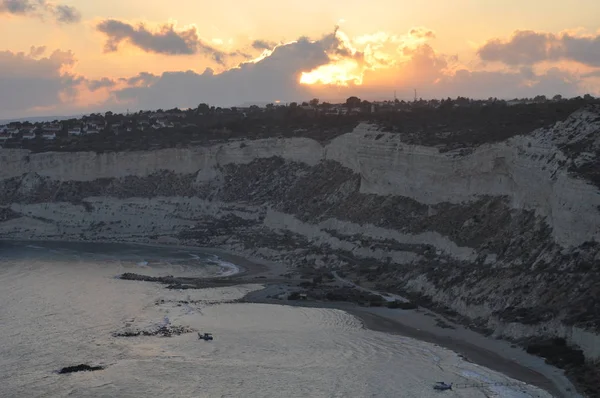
(227, 268)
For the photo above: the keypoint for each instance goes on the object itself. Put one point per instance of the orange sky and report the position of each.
(388, 45)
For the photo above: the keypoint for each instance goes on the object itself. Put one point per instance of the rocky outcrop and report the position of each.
(505, 234)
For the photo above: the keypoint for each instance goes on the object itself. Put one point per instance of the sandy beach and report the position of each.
(420, 324)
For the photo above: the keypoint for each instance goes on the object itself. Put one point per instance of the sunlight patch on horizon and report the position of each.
(350, 59)
(340, 73)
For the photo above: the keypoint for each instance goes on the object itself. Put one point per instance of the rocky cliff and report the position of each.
(505, 234)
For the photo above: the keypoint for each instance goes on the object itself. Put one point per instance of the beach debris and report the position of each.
(442, 386)
(79, 368)
(443, 324)
(162, 331)
(180, 283)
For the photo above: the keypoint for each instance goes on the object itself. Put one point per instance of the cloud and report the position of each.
(422, 33)
(527, 47)
(166, 40)
(508, 85)
(35, 82)
(105, 82)
(263, 45)
(276, 75)
(35, 52)
(436, 75)
(143, 79)
(595, 73)
(369, 66)
(41, 9)
(17, 7)
(66, 14)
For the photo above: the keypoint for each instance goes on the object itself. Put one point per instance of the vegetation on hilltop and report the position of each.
(449, 124)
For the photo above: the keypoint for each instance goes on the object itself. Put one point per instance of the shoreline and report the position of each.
(497, 355)
(246, 265)
(467, 351)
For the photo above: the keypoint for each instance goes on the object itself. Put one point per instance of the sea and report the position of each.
(62, 303)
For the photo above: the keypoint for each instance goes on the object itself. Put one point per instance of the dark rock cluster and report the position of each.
(79, 368)
(163, 331)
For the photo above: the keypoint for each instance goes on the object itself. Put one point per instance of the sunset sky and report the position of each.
(80, 56)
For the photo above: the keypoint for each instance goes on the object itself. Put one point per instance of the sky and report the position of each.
(72, 57)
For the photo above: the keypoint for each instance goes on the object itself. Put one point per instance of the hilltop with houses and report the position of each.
(419, 121)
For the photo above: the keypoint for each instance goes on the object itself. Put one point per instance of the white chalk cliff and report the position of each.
(509, 226)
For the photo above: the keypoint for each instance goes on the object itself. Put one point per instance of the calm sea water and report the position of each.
(60, 304)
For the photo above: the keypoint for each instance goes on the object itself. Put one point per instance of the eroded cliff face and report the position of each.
(506, 234)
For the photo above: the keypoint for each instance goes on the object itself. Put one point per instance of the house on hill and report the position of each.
(95, 124)
(52, 127)
(5, 137)
(74, 131)
(93, 127)
(162, 123)
(30, 135)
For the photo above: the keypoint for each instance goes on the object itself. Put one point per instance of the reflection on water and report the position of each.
(61, 302)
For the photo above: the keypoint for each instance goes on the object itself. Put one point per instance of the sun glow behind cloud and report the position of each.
(350, 59)
(341, 73)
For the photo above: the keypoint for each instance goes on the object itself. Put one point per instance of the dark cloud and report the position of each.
(17, 7)
(527, 72)
(66, 14)
(143, 79)
(35, 52)
(105, 82)
(528, 47)
(263, 45)
(166, 40)
(34, 82)
(41, 9)
(241, 54)
(582, 49)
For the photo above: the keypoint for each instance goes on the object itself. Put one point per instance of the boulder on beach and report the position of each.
(79, 368)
